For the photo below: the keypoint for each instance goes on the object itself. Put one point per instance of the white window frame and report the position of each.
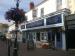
(42, 12)
(45, 35)
(34, 13)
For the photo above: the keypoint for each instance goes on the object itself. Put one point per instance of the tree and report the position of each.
(3, 27)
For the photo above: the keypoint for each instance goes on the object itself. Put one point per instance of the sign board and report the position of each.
(35, 24)
(54, 20)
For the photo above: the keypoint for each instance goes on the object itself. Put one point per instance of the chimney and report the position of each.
(31, 5)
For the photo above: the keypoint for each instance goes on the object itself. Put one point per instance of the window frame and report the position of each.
(34, 13)
(42, 12)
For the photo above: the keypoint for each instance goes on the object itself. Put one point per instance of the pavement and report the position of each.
(3, 48)
(36, 52)
(44, 52)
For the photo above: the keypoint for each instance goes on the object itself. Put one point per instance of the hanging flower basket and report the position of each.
(15, 14)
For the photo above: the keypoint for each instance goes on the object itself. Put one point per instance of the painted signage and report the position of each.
(35, 24)
(54, 20)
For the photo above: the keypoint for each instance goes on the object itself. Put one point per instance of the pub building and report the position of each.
(49, 22)
(51, 27)
(46, 24)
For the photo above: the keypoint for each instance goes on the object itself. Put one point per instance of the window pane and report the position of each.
(42, 11)
(34, 13)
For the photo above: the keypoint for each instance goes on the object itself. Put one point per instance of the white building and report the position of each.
(11, 27)
(46, 23)
(12, 34)
(47, 7)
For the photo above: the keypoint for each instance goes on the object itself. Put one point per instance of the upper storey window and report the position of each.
(59, 4)
(42, 11)
(34, 13)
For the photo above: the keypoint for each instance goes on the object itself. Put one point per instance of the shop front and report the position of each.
(46, 36)
(70, 31)
(43, 33)
(39, 37)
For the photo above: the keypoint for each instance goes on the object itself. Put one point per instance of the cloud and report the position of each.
(5, 22)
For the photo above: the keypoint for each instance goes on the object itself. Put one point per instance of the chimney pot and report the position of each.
(31, 5)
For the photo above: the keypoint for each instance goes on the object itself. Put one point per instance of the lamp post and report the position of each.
(9, 42)
(18, 16)
(15, 53)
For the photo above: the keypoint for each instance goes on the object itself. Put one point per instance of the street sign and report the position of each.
(70, 21)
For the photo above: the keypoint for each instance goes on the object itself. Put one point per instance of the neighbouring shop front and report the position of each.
(70, 31)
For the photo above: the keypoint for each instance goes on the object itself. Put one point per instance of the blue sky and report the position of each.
(5, 5)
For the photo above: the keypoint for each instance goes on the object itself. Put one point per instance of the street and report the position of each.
(36, 52)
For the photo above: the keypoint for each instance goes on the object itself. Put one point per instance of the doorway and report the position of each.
(38, 36)
(59, 39)
(70, 38)
(55, 38)
(51, 37)
(34, 36)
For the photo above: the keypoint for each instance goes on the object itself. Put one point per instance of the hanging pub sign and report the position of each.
(35, 24)
(54, 20)
(22, 26)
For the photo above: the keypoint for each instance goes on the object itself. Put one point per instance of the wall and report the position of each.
(65, 4)
(29, 15)
(72, 6)
(11, 27)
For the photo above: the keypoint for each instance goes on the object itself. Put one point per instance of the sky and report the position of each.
(6, 5)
